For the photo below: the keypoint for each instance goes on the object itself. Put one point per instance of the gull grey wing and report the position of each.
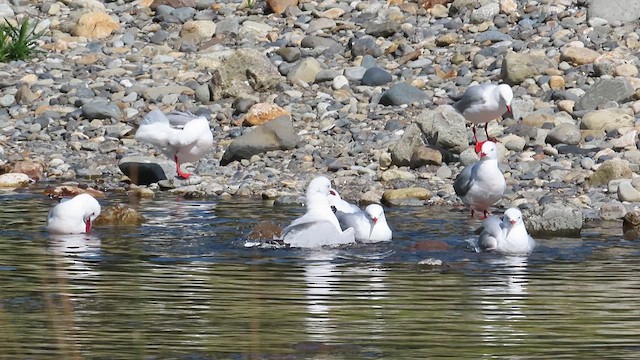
(348, 220)
(473, 96)
(491, 234)
(180, 118)
(464, 181)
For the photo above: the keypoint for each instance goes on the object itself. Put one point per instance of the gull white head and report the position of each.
(512, 217)
(319, 185)
(506, 95)
(375, 213)
(73, 216)
(489, 151)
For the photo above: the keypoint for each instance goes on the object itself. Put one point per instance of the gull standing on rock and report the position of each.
(73, 216)
(483, 103)
(370, 226)
(507, 236)
(186, 144)
(482, 184)
(319, 225)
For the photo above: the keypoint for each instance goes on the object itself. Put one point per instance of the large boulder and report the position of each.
(607, 120)
(610, 170)
(402, 152)
(517, 67)
(554, 219)
(624, 11)
(239, 73)
(446, 129)
(605, 90)
(277, 134)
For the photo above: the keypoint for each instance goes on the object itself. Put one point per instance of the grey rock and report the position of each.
(159, 37)
(315, 42)
(184, 13)
(384, 29)
(376, 76)
(7, 100)
(355, 73)
(485, 13)
(493, 36)
(604, 90)
(289, 54)
(246, 70)
(227, 27)
(564, 134)
(277, 134)
(402, 93)
(554, 219)
(607, 120)
(402, 152)
(319, 24)
(203, 93)
(101, 110)
(626, 192)
(445, 129)
(365, 45)
(517, 67)
(305, 70)
(144, 170)
(623, 11)
(613, 210)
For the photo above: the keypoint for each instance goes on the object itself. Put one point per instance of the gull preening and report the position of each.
(73, 216)
(482, 184)
(483, 103)
(507, 235)
(341, 205)
(319, 225)
(370, 225)
(187, 144)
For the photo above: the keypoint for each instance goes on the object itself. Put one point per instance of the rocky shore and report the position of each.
(356, 90)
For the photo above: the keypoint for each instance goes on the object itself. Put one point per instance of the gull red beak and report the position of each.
(87, 225)
(375, 220)
(509, 109)
(482, 154)
(479, 146)
(513, 222)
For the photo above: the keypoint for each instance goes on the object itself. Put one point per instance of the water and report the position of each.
(183, 286)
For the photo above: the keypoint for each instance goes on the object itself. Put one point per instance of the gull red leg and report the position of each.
(180, 173)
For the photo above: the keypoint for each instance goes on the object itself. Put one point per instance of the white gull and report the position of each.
(370, 225)
(482, 184)
(187, 144)
(73, 216)
(507, 235)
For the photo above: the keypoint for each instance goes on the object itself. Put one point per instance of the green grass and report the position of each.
(18, 42)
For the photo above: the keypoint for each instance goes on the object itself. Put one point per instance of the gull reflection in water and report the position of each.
(321, 276)
(367, 289)
(503, 299)
(75, 255)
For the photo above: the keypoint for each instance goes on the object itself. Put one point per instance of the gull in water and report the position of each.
(370, 225)
(483, 103)
(341, 205)
(73, 216)
(319, 225)
(482, 184)
(180, 136)
(507, 235)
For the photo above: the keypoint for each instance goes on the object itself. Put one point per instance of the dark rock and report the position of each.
(384, 29)
(277, 134)
(365, 45)
(376, 76)
(144, 170)
(402, 93)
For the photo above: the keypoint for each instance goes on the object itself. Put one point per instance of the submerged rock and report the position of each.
(554, 219)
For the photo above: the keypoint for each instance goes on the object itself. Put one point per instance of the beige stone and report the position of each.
(13, 180)
(95, 25)
(407, 193)
(578, 55)
(198, 31)
(607, 119)
(279, 6)
(556, 82)
(261, 113)
(626, 70)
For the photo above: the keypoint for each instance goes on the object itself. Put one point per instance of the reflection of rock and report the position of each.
(631, 224)
(430, 245)
(70, 191)
(119, 214)
(265, 230)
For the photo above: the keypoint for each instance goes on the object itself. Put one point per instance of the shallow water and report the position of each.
(184, 286)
